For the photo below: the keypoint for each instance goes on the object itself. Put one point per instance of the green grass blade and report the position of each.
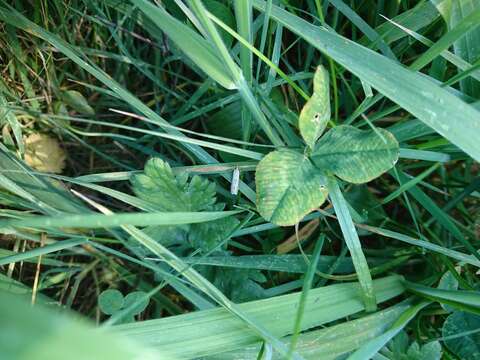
(307, 284)
(443, 218)
(447, 55)
(461, 29)
(353, 243)
(469, 259)
(370, 33)
(467, 47)
(462, 299)
(91, 221)
(61, 245)
(199, 50)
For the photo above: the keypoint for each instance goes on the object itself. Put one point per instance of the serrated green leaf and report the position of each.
(208, 235)
(110, 301)
(316, 112)
(159, 186)
(288, 187)
(430, 351)
(354, 155)
(239, 285)
(466, 347)
(166, 235)
(164, 190)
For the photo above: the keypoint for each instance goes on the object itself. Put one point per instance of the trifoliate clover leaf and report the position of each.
(137, 300)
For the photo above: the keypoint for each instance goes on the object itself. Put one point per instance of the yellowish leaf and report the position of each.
(43, 153)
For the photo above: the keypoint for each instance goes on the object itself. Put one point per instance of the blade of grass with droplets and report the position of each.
(210, 332)
(373, 346)
(445, 113)
(331, 342)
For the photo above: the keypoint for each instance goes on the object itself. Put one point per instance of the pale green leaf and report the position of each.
(354, 155)
(288, 187)
(316, 112)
